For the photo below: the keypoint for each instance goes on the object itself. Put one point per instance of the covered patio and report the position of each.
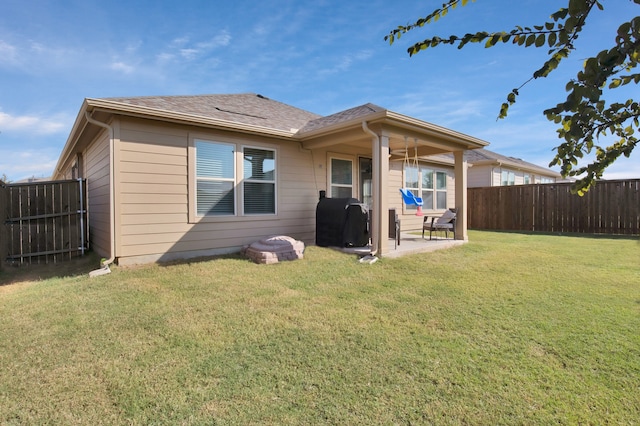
(386, 135)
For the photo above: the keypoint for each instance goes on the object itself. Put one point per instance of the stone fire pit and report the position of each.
(274, 249)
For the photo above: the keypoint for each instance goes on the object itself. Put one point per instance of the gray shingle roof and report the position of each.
(340, 117)
(481, 155)
(246, 108)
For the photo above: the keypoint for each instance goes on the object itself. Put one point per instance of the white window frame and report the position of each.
(421, 191)
(260, 181)
(440, 190)
(231, 180)
(238, 180)
(331, 185)
(510, 180)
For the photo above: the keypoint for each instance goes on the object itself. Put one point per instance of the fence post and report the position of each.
(4, 237)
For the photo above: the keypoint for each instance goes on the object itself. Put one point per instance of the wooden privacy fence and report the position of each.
(610, 207)
(45, 221)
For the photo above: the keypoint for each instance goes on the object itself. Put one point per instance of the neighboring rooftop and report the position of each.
(483, 155)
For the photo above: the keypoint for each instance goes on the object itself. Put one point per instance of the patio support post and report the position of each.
(460, 170)
(380, 193)
(380, 203)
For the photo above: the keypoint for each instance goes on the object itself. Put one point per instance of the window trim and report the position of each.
(422, 191)
(336, 156)
(510, 173)
(274, 181)
(220, 179)
(240, 144)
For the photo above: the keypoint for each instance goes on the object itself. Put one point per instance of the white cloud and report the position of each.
(180, 41)
(442, 108)
(122, 67)
(31, 124)
(345, 62)
(221, 40)
(25, 164)
(8, 52)
(189, 53)
(188, 49)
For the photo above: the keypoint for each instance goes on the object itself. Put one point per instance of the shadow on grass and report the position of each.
(203, 259)
(12, 274)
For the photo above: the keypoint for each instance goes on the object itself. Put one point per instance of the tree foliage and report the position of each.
(585, 117)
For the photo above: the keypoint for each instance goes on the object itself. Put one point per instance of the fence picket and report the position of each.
(610, 207)
(46, 221)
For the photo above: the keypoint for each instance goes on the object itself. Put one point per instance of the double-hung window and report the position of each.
(215, 178)
(412, 183)
(230, 179)
(441, 191)
(259, 184)
(508, 178)
(341, 178)
(429, 184)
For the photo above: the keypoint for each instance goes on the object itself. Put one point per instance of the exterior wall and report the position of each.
(96, 171)
(496, 176)
(155, 188)
(487, 175)
(408, 218)
(153, 197)
(479, 176)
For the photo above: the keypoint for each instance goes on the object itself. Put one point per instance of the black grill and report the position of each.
(342, 222)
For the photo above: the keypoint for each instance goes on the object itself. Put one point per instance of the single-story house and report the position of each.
(172, 177)
(489, 168)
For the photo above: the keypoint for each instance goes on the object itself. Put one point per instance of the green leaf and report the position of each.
(540, 40)
(503, 110)
(551, 40)
(576, 7)
(560, 14)
(530, 40)
(493, 40)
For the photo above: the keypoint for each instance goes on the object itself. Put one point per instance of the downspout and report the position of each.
(376, 183)
(112, 223)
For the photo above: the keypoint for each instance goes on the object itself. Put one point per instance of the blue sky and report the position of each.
(323, 56)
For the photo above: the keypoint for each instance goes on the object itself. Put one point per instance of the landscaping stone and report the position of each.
(274, 249)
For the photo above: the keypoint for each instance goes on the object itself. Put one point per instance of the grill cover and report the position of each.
(341, 222)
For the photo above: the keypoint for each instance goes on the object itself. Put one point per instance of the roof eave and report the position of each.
(78, 125)
(400, 120)
(439, 131)
(343, 125)
(517, 166)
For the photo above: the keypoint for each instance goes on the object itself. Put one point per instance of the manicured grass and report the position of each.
(508, 329)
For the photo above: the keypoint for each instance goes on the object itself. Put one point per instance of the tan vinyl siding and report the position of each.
(153, 197)
(96, 164)
(496, 176)
(479, 176)
(152, 186)
(395, 183)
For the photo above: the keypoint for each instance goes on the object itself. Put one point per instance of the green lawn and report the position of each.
(508, 329)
